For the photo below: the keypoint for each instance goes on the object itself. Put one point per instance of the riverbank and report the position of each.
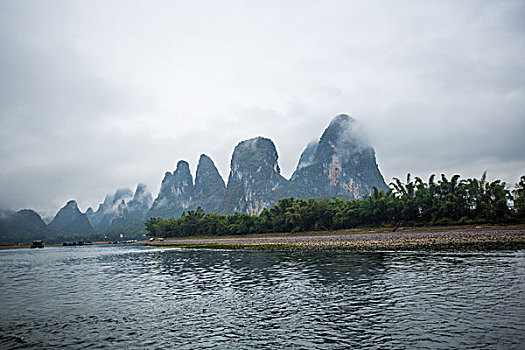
(27, 245)
(478, 238)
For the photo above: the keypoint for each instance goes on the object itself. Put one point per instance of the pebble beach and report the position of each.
(425, 238)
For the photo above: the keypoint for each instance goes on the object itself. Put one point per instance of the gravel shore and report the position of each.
(433, 238)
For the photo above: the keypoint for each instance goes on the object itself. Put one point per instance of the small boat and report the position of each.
(37, 244)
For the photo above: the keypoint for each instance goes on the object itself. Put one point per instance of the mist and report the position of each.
(102, 95)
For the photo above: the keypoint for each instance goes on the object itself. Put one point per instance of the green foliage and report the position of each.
(445, 202)
(519, 198)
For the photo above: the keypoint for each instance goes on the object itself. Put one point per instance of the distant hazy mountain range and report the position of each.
(341, 164)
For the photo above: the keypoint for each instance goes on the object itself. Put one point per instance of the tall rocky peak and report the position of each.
(182, 180)
(343, 164)
(209, 186)
(141, 201)
(207, 173)
(307, 157)
(344, 137)
(21, 226)
(69, 220)
(121, 208)
(112, 200)
(122, 194)
(110, 209)
(255, 181)
(175, 192)
(257, 154)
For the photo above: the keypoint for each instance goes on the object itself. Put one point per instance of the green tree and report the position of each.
(519, 198)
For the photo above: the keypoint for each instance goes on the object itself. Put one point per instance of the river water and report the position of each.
(136, 297)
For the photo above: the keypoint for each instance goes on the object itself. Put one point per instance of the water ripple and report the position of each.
(138, 297)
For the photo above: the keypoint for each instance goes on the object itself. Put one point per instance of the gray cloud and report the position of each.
(101, 95)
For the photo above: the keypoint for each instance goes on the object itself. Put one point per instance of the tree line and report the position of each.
(413, 202)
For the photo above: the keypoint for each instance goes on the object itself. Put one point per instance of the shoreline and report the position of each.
(443, 238)
(427, 238)
(27, 245)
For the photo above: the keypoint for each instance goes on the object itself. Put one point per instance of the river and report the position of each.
(137, 297)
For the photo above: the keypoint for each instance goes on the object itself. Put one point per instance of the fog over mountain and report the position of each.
(341, 164)
(99, 95)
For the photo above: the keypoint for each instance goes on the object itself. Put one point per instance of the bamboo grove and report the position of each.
(415, 202)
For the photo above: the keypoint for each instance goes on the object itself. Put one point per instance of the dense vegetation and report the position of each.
(415, 202)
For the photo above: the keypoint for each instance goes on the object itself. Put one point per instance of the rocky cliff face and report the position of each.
(209, 186)
(341, 164)
(120, 208)
(21, 226)
(69, 220)
(175, 193)
(140, 203)
(255, 181)
(307, 158)
(113, 207)
(178, 193)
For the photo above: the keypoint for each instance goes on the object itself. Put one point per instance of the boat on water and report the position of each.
(37, 244)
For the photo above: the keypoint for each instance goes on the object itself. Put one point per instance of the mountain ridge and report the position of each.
(340, 163)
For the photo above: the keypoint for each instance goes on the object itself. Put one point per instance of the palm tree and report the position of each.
(406, 195)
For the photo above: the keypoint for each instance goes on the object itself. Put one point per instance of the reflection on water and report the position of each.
(139, 297)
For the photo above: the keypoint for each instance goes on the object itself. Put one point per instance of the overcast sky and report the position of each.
(100, 95)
